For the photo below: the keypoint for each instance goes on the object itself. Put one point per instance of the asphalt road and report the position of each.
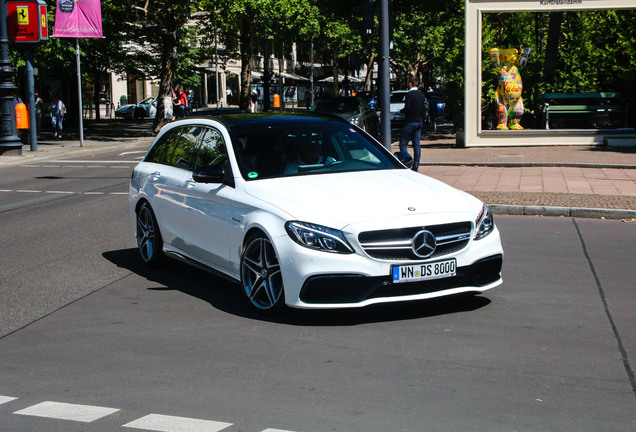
(92, 341)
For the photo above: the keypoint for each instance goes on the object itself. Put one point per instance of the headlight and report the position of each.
(318, 237)
(355, 120)
(484, 223)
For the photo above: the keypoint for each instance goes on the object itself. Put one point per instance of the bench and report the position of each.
(594, 106)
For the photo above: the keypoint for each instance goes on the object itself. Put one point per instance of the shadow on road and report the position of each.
(226, 296)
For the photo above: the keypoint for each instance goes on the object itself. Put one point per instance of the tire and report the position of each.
(149, 242)
(261, 276)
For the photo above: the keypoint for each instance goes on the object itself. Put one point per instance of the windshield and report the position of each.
(338, 105)
(397, 97)
(306, 148)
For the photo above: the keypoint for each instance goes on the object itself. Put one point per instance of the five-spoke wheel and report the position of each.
(261, 275)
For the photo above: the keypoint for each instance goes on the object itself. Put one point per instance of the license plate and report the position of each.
(427, 271)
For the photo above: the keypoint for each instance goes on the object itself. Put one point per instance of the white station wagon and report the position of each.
(308, 211)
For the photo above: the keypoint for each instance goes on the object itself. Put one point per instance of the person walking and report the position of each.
(414, 110)
(58, 111)
(38, 114)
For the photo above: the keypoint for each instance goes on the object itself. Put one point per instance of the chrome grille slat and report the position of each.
(395, 244)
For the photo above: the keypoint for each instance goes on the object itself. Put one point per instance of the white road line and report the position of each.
(132, 152)
(276, 430)
(65, 411)
(53, 192)
(5, 399)
(164, 423)
(93, 161)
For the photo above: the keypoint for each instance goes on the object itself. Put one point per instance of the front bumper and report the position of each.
(358, 289)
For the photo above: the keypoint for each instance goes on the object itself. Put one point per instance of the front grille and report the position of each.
(395, 244)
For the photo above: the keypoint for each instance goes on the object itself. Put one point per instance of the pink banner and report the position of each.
(78, 19)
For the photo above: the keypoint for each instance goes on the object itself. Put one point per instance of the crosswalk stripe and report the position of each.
(65, 411)
(5, 399)
(164, 423)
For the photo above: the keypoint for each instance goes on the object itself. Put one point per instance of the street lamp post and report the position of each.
(9, 141)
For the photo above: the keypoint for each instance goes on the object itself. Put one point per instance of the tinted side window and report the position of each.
(163, 150)
(176, 148)
(212, 151)
(187, 144)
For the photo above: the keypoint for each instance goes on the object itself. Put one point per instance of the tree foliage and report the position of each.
(155, 39)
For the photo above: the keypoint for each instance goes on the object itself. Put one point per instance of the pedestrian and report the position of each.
(183, 99)
(413, 111)
(190, 101)
(254, 101)
(16, 98)
(228, 96)
(58, 112)
(38, 114)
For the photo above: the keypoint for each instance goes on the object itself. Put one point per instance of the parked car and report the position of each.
(145, 108)
(353, 109)
(396, 104)
(370, 98)
(351, 228)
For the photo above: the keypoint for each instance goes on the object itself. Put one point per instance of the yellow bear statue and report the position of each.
(509, 101)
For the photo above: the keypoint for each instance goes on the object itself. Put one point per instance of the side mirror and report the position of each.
(405, 158)
(209, 174)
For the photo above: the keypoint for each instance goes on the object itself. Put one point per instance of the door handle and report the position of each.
(155, 175)
(190, 183)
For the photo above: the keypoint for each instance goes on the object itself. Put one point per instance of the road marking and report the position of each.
(164, 423)
(132, 152)
(5, 399)
(65, 411)
(276, 430)
(93, 162)
(62, 192)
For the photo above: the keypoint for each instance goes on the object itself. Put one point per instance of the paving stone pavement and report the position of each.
(579, 181)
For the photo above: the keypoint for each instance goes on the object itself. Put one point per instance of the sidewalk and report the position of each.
(576, 181)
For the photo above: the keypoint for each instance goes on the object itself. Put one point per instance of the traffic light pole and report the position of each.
(9, 141)
(385, 81)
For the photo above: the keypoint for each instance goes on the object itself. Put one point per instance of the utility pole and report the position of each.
(385, 80)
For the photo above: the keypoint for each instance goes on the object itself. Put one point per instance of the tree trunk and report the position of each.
(368, 81)
(96, 96)
(168, 70)
(334, 67)
(246, 64)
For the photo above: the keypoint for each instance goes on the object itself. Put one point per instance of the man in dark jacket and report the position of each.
(414, 110)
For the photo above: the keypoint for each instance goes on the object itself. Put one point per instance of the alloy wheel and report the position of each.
(261, 274)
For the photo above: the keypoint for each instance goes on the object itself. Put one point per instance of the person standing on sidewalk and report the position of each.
(414, 110)
(58, 111)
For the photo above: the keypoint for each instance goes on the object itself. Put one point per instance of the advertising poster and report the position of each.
(78, 19)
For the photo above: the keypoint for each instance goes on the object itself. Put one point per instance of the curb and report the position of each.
(575, 212)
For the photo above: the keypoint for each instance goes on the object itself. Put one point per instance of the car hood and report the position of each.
(339, 199)
(126, 107)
